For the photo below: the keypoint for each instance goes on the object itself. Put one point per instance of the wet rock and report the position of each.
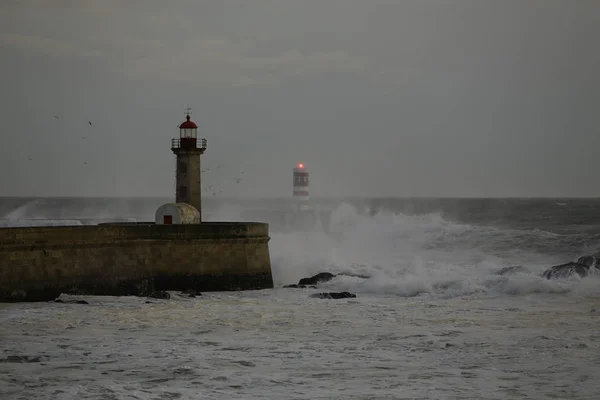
(321, 278)
(294, 286)
(333, 295)
(160, 295)
(567, 270)
(583, 267)
(318, 278)
(513, 269)
(591, 261)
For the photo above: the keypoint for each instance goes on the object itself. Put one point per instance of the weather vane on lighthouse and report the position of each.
(188, 111)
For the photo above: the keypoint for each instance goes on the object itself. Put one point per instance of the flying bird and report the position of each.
(55, 117)
(90, 122)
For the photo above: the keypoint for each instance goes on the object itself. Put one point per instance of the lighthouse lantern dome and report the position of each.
(188, 129)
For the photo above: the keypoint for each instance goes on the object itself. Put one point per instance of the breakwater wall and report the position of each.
(40, 263)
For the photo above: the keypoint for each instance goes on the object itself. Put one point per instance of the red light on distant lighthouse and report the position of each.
(300, 165)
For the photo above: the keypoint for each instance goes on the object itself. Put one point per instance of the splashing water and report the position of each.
(428, 255)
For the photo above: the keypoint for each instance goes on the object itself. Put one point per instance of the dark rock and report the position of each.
(192, 295)
(333, 295)
(583, 267)
(511, 270)
(321, 278)
(294, 286)
(160, 295)
(318, 278)
(567, 270)
(591, 261)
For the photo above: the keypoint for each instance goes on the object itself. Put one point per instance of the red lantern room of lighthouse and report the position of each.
(188, 149)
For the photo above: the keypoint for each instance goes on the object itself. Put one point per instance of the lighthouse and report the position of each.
(300, 183)
(188, 148)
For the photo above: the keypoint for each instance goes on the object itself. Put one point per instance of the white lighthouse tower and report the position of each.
(301, 183)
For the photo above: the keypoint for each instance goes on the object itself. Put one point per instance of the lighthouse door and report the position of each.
(168, 219)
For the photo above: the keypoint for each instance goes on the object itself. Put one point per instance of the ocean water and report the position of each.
(433, 320)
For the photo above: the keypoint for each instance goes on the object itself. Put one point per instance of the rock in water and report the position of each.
(160, 295)
(333, 295)
(591, 261)
(294, 286)
(511, 270)
(567, 270)
(318, 278)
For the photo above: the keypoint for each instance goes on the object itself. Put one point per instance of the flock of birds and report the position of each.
(214, 189)
(83, 137)
(217, 189)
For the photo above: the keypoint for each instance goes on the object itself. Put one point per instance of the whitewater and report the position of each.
(433, 320)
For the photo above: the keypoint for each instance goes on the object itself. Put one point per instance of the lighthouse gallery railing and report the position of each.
(188, 143)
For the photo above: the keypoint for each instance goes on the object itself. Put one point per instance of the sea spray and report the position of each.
(411, 255)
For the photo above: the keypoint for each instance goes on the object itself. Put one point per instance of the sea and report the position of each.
(432, 317)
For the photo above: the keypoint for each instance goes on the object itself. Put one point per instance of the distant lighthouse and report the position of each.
(300, 182)
(188, 149)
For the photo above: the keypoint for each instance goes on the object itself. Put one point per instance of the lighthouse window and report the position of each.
(188, 133)
(183, 192)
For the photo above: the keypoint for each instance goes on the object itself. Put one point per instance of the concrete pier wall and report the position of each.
(40, 263)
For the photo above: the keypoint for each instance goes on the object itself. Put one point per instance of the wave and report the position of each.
(38, 222)
(428, 255)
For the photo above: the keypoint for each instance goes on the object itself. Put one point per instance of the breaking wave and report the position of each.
(38, 222)
(427, 255)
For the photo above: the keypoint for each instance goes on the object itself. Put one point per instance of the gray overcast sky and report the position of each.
(378, 98)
